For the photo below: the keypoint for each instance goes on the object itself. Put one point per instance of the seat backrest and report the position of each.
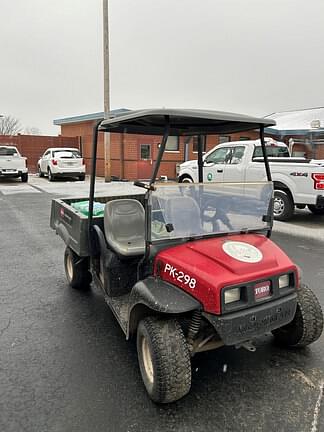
(184, 214)
(124, 223)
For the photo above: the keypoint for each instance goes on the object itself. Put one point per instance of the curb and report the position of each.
(299, 231)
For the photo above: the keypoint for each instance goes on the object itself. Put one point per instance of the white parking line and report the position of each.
(17, 189)
(81, 188)
(317, 408)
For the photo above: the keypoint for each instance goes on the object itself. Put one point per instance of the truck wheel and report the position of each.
(186, 179)
(76, 270)
(317, 210)
(164, 359)
(82, 177)
(50, 175)
(24, 177)
(307, 325)
(40, 174)
(283, 206)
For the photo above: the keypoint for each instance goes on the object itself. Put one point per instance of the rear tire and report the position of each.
(82, 177)
(283, 206)
(24, 177)
(317, 210)
(164, 359)
(76, 270)
(50, 175)
(307, 325)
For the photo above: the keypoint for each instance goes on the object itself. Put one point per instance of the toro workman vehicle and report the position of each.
(186, 267)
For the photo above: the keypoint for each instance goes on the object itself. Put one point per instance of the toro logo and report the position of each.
(262, 290)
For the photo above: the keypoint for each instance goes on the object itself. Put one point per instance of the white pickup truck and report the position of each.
(297, 181)
(12, 164)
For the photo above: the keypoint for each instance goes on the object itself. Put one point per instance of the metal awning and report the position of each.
(182, 122)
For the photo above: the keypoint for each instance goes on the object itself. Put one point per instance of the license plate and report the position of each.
(262, 290)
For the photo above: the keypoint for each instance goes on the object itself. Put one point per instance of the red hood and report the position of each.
(210, 268)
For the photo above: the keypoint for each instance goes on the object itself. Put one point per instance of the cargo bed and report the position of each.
(72, 226)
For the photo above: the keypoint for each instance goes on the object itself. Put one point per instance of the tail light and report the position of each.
(54, 162)
(318, 181)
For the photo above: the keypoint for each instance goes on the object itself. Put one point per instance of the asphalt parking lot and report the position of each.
(65, 364)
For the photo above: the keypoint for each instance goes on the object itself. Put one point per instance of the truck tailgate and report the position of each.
(12, 163)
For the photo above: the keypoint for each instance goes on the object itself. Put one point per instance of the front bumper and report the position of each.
(246, 324)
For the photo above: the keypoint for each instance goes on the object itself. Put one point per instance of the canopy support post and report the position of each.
(200, 159)
(92, 183)
(161, 150)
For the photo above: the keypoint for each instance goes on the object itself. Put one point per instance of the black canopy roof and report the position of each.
(182, 122)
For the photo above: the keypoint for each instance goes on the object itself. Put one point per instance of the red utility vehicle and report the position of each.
(187, 267)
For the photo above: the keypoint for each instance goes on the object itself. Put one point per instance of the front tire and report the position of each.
(307, 325)
(82, 177)
(317, 210)
(283, 206)
(40, 173)
(164, 359)
(186, 179)
(76, 270)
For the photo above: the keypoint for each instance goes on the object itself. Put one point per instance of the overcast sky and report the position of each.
(248, 56)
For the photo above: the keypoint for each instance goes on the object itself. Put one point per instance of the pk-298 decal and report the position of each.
(180, 276)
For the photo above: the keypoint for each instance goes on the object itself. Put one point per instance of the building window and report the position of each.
(145, 151)
(224, 139)
(195, 144)
(172, 143)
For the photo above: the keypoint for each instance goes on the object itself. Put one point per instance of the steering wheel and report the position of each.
(215, 215)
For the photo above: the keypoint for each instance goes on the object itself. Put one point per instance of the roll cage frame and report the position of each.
(170, 122)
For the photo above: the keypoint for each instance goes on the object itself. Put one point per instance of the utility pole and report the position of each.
(106, 88)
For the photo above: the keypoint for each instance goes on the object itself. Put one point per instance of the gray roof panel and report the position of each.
(182, 122)
(88, 117)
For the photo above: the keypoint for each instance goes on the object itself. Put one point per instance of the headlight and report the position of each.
(284, 281)
(232, 295)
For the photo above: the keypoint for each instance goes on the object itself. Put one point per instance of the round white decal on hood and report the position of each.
(242, 251)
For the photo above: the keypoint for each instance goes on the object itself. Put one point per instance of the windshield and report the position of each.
(8, 151)
(62, 154)
(272, 151)
(194, 210)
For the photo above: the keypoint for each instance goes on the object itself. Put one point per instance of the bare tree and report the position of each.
(32, 130)
(9, 125)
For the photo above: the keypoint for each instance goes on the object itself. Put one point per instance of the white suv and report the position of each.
(61, 162)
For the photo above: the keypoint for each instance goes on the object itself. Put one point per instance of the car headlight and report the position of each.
(284, 281)
(232, 295)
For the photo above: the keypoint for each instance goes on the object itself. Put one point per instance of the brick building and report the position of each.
(301, 130)
(140, 151)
